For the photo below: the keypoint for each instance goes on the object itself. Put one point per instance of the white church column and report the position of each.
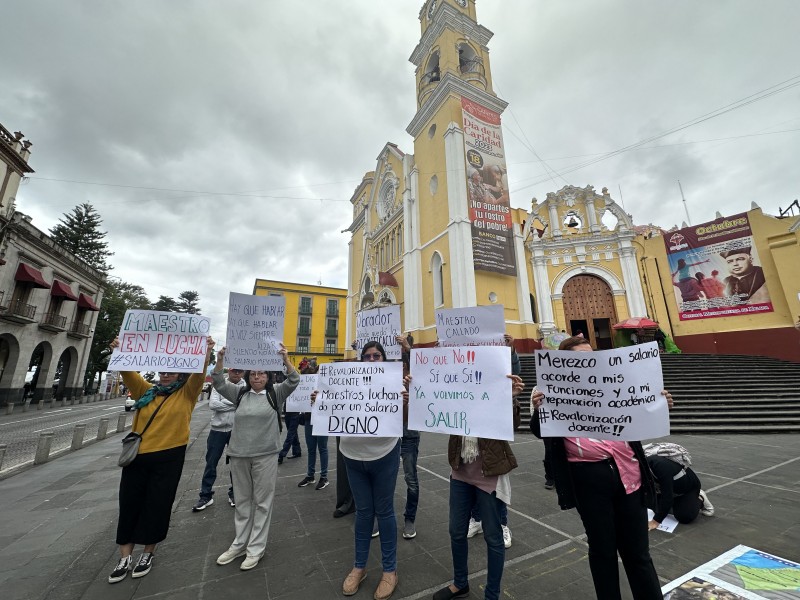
(630, 277)
(412, 254)
(555, 224)
(348, 339)
(544, 300)
(523, 287)
(459, 228)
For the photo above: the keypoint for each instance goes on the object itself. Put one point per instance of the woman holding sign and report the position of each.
(610, 484)
(254, 444)
(148, 484)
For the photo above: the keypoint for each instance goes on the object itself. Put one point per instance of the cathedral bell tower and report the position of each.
(462, 244)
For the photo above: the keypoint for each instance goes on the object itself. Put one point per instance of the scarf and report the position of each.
(469, 448)
(158, 390)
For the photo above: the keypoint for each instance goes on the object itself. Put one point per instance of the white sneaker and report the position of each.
(475, 527)
(230, 555)
(707, 509)
(250, 562)
(506, 536)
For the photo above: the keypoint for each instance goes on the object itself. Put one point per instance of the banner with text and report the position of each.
(152, 340)
(716, 271)
(255, 332)
(607, 395)
(487, 189)
(380, 325)
(462, 391)
(300, 399)
(475, 326)
(359, 399)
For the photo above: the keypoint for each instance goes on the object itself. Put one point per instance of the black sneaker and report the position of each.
(305, 481)
(322, 484)
(120, 572)
(202, 504)
(144, 565)
(549, 484)
(231, 501)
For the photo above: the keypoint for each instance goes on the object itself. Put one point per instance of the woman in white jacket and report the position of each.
(253, 449)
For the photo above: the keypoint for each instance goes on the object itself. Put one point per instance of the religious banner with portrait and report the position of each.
(716, 271)
(487, 190)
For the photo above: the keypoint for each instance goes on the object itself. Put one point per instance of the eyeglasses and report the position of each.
(372, 356)
(165, 374)
(258, 373)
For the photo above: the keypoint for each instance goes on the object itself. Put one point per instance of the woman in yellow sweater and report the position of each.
(148, 485)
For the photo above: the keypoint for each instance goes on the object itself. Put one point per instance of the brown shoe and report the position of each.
(353, 581)
(386, 586)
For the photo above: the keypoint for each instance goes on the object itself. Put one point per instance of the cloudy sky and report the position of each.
(221, 141)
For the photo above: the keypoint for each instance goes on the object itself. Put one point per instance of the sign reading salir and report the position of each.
(716, 271)
(487, 189)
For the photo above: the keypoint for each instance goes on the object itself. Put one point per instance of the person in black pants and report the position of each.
(679, 492)
(611, 486)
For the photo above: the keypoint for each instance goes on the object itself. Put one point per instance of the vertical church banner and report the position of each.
(487, 190)
(716, 271)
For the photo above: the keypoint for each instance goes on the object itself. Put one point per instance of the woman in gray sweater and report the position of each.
(253, 449)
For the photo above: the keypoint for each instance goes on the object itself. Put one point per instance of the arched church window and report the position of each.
(468, 60)
(386, 199)
(573, 222)
(438, 279)
(432, 71)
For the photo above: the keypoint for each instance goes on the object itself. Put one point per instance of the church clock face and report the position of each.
(431, 8)
(462, 3)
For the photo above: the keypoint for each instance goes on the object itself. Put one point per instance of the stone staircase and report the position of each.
(717, 393)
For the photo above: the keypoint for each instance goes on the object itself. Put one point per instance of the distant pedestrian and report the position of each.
(148, 485)
(314, 444)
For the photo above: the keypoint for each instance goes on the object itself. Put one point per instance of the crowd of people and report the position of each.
(611, 483)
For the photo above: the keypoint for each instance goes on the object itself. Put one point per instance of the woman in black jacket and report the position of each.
(612, 487)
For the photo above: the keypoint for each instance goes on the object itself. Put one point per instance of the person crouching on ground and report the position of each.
(148, 485)
(612, 487)
(253, 449)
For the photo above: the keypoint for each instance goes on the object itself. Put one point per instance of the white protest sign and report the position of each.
(475, 326)
(152, 340)
(462, 391)
(255, 330)
(380, 325)
(668, 525)
(300, 399)
(607, 395)
(359, 399)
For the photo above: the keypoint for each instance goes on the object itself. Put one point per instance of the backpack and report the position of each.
(273, 402)
(674, 452)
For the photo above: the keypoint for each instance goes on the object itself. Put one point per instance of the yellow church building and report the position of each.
(435, 229)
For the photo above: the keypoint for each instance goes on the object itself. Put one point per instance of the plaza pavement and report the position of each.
(59, 519)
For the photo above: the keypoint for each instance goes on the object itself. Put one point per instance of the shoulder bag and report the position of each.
(131, 442)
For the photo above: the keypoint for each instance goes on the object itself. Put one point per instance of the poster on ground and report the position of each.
(255, 332)
(487, 190)
(741, 573)
(382, 325)
(359, 399)
(153, 340)
(716, 271)
(473, 326)
(607, 395)
(462, 391)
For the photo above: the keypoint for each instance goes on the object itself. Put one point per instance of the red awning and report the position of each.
(387, 279)
(62, 290)
(28, 274)
(86, 302)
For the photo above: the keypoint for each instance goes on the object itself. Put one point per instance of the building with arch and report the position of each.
(434, 228)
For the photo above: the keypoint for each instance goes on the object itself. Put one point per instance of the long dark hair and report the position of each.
(377, 346)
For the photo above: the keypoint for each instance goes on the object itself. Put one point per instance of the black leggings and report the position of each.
(146, 492)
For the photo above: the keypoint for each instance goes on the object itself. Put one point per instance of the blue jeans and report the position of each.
(462, 498)
(373, 483)
(409, 451)
(215, 446)
(314, 443)
(476, 513)
(292, 439)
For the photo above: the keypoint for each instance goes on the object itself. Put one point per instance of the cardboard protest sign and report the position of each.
(607, 395)
(300, 399)
(152, 340)
(462, 391)
(360, 399)
(380, 325)
(474, 326)
(255, 331)
(740, 573)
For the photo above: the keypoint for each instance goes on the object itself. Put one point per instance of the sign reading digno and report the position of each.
(487, 189)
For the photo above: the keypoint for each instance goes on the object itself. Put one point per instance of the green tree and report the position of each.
(166, 303)
(187, 302)
(79, 232)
